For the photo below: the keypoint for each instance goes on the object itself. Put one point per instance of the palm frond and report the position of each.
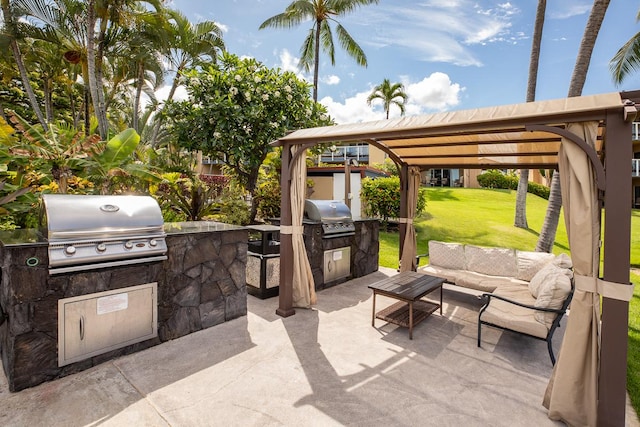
(307, 51)
(626, 60)
(326, 39)
(349, 44)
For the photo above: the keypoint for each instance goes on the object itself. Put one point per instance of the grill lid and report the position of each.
(88, 232)
(327, 210)
(334, 215)
(76, 217)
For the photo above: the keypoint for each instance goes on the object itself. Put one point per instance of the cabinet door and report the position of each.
(93, 324)
(337, 264)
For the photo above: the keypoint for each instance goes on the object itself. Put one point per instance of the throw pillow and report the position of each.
(563, 261)
(552, 294)
(446, 255)
(544, 275)
(529, 263)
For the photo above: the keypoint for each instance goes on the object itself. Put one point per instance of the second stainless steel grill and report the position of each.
(334, 215)
(88, 232)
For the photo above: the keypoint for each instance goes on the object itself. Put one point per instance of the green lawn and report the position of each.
(478, 216)
(485, 218)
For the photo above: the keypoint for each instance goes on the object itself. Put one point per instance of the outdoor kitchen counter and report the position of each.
(201, 284)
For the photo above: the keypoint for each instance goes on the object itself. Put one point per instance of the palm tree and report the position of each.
(550, 225)
(534, 60)
(389, 94)
(320, 12)
(12, 33)
(188, 46)
(627, 59)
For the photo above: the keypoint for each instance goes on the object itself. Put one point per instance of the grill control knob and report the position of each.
(128, 245)
(153, 242)
(70, 250)
(101, 247)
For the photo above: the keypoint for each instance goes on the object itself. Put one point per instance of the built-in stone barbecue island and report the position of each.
(104, 276)
(57, 324)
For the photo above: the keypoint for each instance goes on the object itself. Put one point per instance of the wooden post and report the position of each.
(612, 380)
(285, 293)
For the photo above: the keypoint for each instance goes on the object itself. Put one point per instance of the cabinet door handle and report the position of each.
(81, 328)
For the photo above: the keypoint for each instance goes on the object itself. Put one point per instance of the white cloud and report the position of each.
(570, 8)
(288, 62)
(354, 109)
(331, 79)
(433, 93)
(442, 30)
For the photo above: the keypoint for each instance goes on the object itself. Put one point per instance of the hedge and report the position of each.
(497, 179)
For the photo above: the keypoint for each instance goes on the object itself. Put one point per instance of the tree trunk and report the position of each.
(521, 200)
(17, 55)
(548, 233)
(94, 86)
(534, 60)
(578, 78)
(587, 44)
(136, 100)
(47, 88)
(316, 62)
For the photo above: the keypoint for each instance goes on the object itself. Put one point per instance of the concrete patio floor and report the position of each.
(321, 367)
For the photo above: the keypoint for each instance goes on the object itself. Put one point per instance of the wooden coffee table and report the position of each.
(407, 287)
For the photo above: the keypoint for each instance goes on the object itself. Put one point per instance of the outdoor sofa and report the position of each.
(526, 292)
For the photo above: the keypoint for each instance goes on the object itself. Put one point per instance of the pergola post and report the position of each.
(285, 293)
(612, 379)
(402, 226)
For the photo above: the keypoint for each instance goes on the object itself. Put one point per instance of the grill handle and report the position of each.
(77, 234)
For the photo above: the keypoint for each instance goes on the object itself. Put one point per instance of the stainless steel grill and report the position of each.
(88, 232)
(334, 215)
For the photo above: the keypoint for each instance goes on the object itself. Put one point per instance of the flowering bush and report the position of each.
(236, 108)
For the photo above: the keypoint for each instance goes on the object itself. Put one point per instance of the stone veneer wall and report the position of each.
(201, 285)
(365, 250)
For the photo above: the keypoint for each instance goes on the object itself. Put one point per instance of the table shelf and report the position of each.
(398, 313)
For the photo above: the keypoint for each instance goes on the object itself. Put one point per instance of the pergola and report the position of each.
(589, 140)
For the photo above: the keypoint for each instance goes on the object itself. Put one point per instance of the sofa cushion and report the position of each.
(491, 261)
(514, 317)
(545, 275)
(516, 292)
(448, 274)
(552, 294)
(529, 263)
(447, 255)
(477, 281)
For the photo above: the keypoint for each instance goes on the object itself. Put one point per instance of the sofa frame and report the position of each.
(556, 322)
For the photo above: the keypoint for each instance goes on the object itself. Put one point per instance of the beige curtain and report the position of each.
(304, 292)
(572, 394)
(409, 250)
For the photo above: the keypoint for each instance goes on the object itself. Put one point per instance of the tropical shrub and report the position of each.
(193, 198)
(497, 179)
(381, 198)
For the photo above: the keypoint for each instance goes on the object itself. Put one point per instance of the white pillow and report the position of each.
(446, 255)
(552, 294)
(563, 261)
(529, 263)
(544, 275)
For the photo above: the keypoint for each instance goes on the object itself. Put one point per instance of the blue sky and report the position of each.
(449, 54)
